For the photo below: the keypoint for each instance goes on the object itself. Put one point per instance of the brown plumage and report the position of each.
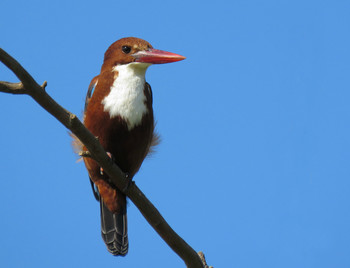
(128, 148)
(127, 136)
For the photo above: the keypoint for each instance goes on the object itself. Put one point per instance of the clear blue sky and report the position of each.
(254, 164)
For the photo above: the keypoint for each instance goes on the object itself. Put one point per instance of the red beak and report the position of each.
(157, 56)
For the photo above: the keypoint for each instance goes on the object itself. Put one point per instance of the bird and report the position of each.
(118, 111)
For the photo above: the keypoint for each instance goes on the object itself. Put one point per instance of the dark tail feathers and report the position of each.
(114, 230)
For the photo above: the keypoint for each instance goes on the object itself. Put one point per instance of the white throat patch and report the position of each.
(126, 98)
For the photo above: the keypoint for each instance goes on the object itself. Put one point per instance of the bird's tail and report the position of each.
(114, 230)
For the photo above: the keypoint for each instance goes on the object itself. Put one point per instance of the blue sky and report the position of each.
(253, 168)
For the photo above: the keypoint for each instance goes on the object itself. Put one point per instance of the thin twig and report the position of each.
(12, 88)
(85, 154)
(202, 257)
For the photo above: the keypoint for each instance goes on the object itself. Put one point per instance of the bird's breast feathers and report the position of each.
(126, 97)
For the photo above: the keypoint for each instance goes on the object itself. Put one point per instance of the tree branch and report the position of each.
(95, 150)
(12, 88)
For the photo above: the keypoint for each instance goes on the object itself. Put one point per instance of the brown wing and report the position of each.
(90, 91)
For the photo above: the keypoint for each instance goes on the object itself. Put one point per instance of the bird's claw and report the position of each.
(127, 177)
(128, 182)
(111, 157)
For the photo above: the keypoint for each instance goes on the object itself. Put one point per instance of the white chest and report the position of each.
(126, 98)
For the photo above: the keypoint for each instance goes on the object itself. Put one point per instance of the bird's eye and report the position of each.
(126, 49)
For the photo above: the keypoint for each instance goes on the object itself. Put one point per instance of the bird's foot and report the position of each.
(128, 182)
(111, 157)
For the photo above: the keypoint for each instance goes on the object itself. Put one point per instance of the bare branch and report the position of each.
(29, 86)
(12, 88)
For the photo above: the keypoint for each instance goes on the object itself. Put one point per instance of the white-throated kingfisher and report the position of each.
(118, 110)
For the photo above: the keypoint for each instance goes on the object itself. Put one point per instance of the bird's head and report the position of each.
(131, 49)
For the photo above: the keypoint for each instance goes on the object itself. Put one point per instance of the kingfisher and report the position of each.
(118, 111)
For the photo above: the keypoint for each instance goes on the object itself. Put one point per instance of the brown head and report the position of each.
(132, 49)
